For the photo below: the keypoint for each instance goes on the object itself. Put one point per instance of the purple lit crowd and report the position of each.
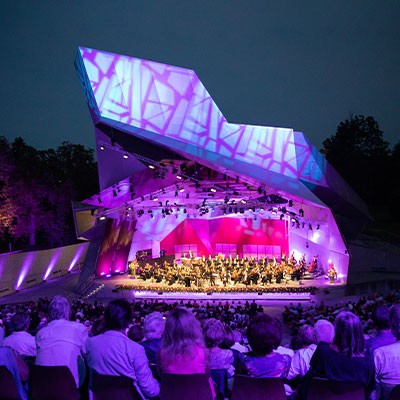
(356, 341)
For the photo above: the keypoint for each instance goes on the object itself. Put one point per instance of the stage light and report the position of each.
(243, 201)
(102, 218)
(274, 212)
(213, 190)
(125, 156)
(102, 148)
(182, 190)
(178, 177)
(152, 166)
(155, 198)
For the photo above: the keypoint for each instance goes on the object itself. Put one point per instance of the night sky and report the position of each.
(298, 64)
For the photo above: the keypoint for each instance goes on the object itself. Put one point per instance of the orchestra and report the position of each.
(224, 271)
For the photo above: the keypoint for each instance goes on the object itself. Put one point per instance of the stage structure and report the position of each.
(177, 178)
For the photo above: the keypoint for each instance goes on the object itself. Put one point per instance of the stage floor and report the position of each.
(134, 287)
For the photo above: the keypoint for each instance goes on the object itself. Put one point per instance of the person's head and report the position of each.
(214, 332)
(394, 318)
(349, 336)
(59, 308)
(20, 321)
(154, 325)
(324, 331)
(238, 336)
(306, 335)
(380, 316)
(136, 333)
(264, 334)
(118, 315)
(182, 332)
(229, 338)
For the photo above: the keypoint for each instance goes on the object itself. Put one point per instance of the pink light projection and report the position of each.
(53, 262)
(77, 255)
(26, 266)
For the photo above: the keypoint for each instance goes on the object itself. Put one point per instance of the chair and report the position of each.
(52, 382)
(115, 387)
(332, 390)
(220, 377)
(246, 387)
(191, 386)
(395, 393)
(8, 387)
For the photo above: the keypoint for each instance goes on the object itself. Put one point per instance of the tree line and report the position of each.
(38, 186)
(36, 191)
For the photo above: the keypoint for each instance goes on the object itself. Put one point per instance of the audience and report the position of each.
(387, 359)
(344, 359)
(61, 341)
(113, 353)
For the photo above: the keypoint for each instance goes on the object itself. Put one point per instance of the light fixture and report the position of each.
(213, 190)
(182, 190)
(178, 177)
(102, 148)
(152, 166)
(102, 218)
(155, 198)
(125, 156)
(243, 201)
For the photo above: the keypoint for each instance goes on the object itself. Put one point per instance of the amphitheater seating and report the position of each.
(193, 387)
(106, 387)
(331, 390)
(49, 383)
(8, 387)
(245, 388)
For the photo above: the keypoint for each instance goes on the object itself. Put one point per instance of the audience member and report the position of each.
(20, 340)
(264, 334)
(153, 328)
(136, 333)
(387, 359)
(380, 316)
(214, 335)
(301, 359)
(61, 341)
(113, 353)
(324, 331)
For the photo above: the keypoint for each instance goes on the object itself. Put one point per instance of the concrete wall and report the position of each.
(25, 269)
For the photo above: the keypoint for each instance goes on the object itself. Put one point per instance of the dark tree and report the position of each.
(361, 155)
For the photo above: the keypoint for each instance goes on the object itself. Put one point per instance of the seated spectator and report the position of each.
(153, 328)
(380, 316)
(264, 334)
(301, 359)
(20, 340)
(324, 331)
(183, 350)
(113, 353)
(136, 333)
(214, 335)
(61, 341)
(227, 343)
(344, 359)
(387, 359)
(238, 345)
(18, 369)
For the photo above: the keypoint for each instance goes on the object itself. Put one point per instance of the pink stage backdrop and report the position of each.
(206, 233)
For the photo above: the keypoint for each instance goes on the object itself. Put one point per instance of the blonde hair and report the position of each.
(153, 325)
(182, 335)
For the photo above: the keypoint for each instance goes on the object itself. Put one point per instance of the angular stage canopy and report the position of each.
(183, 178)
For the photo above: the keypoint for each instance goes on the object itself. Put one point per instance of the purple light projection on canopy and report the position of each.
(169, 106)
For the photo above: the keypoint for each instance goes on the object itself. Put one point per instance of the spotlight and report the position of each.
(125, 156)
(178, 177)
(213, 190)
(102, 218)
(152, 167)
(155, 198)
(243, 201)
(182, 190)
(102, 148)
